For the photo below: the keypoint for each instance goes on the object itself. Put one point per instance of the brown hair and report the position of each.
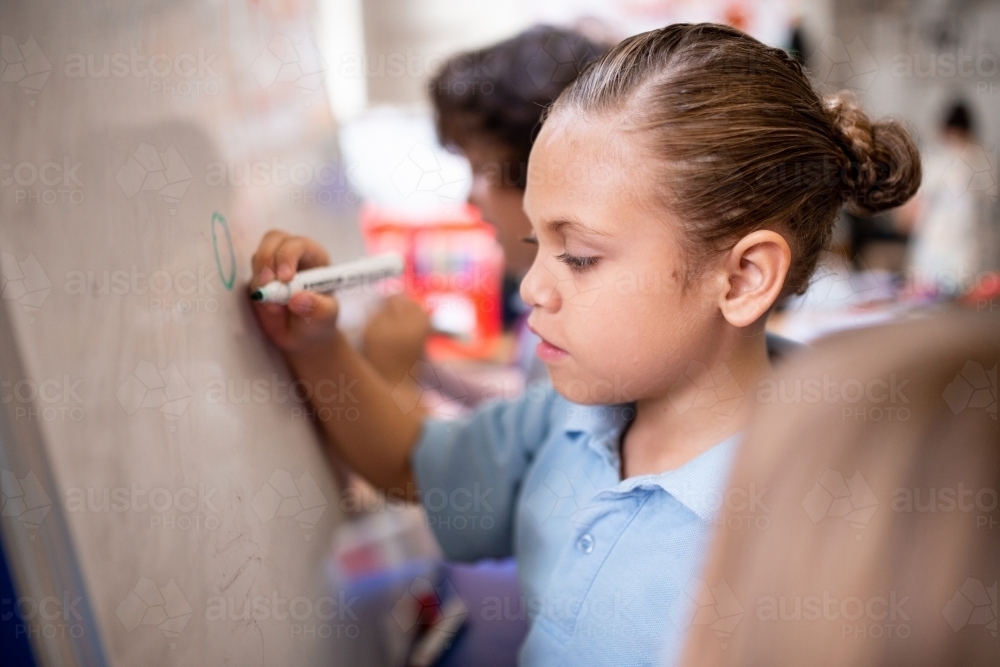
(747, 140)
(878, 502)
(500, 92)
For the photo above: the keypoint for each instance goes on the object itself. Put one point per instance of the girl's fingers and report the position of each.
(273, 320)
(313, 255)
(302, 304)
(280, 255)
(314, 308)
(265, 251)
(296, 253)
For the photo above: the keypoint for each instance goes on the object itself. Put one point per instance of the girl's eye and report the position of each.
(533, 240)
(577, 263)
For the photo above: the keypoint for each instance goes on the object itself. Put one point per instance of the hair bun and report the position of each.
(882, 164)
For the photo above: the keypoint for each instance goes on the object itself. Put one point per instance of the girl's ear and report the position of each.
(755, 269)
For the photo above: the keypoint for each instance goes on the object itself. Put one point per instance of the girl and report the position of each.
(682, 185)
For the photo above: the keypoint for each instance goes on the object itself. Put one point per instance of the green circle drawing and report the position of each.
(228, 284)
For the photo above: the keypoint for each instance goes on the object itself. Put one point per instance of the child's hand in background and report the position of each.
(310, 319)
(394, 337)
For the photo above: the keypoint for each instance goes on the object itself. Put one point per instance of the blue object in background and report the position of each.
(15, 651)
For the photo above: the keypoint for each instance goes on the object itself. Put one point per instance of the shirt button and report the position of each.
(585, 543)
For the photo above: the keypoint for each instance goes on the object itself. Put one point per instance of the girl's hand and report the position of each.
(395, 336)
(309, 321)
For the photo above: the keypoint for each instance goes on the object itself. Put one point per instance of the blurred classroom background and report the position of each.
(931, 63)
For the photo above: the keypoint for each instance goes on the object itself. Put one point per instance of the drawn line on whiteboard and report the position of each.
(228, 284)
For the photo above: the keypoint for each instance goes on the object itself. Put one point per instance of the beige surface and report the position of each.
(132, 366)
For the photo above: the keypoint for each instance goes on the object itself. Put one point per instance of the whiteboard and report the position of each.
(163, 488)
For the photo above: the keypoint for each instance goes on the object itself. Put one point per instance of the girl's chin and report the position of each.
(583, 388)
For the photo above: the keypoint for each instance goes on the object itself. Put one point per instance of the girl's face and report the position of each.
(607, 284)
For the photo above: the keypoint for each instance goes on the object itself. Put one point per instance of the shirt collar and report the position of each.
(597, 419)
(699, 484)
(603, 423)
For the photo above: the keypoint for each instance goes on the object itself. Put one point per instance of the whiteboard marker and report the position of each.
(330, 278)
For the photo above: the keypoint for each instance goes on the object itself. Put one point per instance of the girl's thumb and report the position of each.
(313, 306)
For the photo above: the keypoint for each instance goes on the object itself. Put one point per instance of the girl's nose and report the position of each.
(538, 287)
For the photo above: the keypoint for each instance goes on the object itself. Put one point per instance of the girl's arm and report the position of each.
(360, 419)
(378, 437)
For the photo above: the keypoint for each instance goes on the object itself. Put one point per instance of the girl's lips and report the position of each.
(548, 352)
(545, 350)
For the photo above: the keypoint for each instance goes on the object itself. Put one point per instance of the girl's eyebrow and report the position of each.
(560, 226)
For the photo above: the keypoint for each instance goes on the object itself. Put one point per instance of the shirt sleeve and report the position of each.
(469, 471)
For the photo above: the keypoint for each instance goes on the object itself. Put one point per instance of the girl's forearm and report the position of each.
(361, 421)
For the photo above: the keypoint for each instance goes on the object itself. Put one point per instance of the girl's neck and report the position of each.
(710, 403)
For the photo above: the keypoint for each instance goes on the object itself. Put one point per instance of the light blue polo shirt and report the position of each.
(602, 561)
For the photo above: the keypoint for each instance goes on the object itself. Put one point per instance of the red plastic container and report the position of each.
(454, 268)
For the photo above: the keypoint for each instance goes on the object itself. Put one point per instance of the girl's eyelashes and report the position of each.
(577, 263)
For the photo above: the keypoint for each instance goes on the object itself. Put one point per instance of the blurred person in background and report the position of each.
(488, 104)
(949, 219)
(880, 545)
